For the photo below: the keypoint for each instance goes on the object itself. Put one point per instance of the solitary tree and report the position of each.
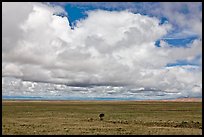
(101, 115)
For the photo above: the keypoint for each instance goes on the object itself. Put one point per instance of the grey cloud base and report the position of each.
(17, 89)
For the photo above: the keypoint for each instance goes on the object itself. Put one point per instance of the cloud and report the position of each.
(110, 53)
(180, 14)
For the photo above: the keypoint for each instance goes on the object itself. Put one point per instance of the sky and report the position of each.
(101, 50)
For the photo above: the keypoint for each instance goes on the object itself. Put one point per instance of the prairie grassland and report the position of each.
(81, 118)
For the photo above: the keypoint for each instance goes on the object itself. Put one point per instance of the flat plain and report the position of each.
(121, 118)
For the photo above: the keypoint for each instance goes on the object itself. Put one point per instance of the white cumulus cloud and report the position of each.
(109, 53)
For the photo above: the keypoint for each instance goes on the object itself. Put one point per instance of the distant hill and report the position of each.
(184, 100)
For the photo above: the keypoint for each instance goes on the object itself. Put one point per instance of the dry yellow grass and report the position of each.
(81, 118)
